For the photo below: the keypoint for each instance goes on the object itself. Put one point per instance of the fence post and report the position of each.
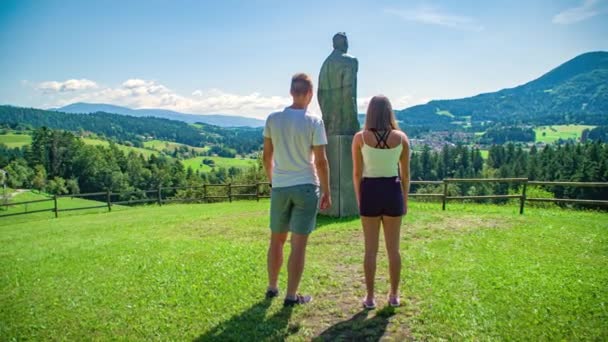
(523, 198)
(445, 194)
(160, 195)
(56, 212)
(205, 193)
(109, 200)
(230, 192)
(257, 192)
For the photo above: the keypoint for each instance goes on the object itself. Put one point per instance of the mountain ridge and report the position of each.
(575, 91)
(212, 119)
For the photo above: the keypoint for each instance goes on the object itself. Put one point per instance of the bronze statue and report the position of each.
(337, 94)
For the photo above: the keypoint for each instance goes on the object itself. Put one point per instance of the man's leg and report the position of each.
(275, 258)
(295, 266)
(302, 222)
(280, 212)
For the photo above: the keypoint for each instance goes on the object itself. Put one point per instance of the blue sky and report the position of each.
(237, 57)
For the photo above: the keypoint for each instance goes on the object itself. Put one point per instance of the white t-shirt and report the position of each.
(293, 133)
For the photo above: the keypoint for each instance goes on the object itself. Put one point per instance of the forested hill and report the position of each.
(135, 130)
(212, 119)
(574, 92)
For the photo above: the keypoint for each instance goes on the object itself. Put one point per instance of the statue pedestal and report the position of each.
(344, 202)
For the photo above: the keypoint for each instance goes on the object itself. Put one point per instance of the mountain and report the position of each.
(211, 119)
(131, 130)
(574, 92)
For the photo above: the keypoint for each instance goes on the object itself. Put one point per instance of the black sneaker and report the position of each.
(299, 300)
(271, 293)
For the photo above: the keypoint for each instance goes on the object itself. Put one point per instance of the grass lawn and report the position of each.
(126, 149)
(195, 163)
(62, 203)
(554, 133)
(15, 140)
(198, 272)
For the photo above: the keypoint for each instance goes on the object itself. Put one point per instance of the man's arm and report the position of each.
(267, 158)
(322, 166)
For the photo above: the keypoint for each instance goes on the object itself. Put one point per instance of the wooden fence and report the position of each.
(156, 195)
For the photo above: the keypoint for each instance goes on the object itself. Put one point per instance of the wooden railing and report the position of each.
(156, 195)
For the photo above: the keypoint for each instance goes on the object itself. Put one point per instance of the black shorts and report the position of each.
(381, 196)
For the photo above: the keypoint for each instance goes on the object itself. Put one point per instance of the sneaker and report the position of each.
(299, 300)
(394, 301)
(271, 293)
(369, 304)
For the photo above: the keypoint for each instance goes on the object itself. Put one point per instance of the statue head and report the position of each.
(340, 42)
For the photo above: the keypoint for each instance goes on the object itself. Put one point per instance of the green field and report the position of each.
(554, 133)
(15, 140)
(196, 163)
(126, 149)
(198, 272)
(62, 203)
(161, 145)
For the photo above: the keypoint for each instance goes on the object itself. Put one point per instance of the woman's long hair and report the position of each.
(380, 115)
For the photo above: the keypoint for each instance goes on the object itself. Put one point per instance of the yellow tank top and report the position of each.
(380, 162)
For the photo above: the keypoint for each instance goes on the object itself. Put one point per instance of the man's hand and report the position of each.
(325, 202)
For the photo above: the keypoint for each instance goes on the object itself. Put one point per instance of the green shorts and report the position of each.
(294, 208)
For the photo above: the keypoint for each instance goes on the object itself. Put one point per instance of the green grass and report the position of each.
(554, 133)
(126, 149)
(184, 272)
(62, 203)
(15, 140)
(196, 163)
(161, 145)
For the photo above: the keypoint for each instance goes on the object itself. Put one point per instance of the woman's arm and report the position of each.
(357, 164)
(404, 166)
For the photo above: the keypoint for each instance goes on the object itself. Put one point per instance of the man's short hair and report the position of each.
(301, 84)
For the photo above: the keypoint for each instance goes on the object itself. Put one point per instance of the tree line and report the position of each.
(60, 162)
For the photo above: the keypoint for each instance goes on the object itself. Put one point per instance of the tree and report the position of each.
(57, 186)
(72, 186)
(39, 177)
(18, 173)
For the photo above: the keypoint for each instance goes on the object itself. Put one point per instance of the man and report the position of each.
(337, 92)
(296, 164)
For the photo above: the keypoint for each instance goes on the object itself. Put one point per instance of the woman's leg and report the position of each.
(392, 229)
(371, 232)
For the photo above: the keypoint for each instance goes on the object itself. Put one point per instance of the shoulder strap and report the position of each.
(381, 139)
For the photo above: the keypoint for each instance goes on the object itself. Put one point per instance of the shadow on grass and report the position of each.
(359, 327)
(323, 220)
(252, 325)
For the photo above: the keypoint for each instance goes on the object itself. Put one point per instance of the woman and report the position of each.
(381, 176)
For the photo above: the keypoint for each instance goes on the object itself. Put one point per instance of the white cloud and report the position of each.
(434, 16)
(139, 93)
(573, 15)
(66, 86)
